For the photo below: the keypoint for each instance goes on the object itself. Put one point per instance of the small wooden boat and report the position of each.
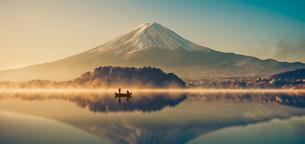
(119, 95)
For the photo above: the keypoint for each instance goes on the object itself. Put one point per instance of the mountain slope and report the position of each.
(151, 44)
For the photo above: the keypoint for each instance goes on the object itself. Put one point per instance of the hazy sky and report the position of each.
(35, 31)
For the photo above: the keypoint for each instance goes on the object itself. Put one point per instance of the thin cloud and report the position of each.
(291, 50)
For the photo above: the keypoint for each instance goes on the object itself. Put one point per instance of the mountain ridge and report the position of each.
(152, 44)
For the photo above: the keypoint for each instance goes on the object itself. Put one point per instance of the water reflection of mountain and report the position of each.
(97, 102)
(186, 121)
(195, 115)
(289, 99)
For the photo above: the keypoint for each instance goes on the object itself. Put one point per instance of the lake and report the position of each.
(152, 117)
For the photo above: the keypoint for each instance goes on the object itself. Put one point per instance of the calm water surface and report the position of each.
(152, 118)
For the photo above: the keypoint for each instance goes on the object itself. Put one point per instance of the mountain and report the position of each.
(152, 44)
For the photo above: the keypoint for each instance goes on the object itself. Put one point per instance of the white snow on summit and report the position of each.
(148, 35)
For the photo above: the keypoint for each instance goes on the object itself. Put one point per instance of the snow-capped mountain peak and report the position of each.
(152, 44)
(148, 35)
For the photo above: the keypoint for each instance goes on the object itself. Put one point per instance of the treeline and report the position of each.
(131, 77)
(290, 79)
(294, 78)
(145, 77)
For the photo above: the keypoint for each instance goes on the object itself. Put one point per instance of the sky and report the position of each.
(38, 31)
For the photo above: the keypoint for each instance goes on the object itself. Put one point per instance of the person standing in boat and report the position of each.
(119, 90)
(127, 91)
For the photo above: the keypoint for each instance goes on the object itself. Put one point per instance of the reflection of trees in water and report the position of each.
(145, 103)
(107, 103)
(164, 126)
(186, 127)
(152, 102)
(289, 99)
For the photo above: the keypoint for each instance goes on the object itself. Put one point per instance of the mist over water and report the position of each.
(153, 116)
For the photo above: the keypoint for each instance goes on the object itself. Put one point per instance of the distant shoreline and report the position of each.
(152, 90)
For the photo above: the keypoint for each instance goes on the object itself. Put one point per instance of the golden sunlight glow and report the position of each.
(154, 90)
